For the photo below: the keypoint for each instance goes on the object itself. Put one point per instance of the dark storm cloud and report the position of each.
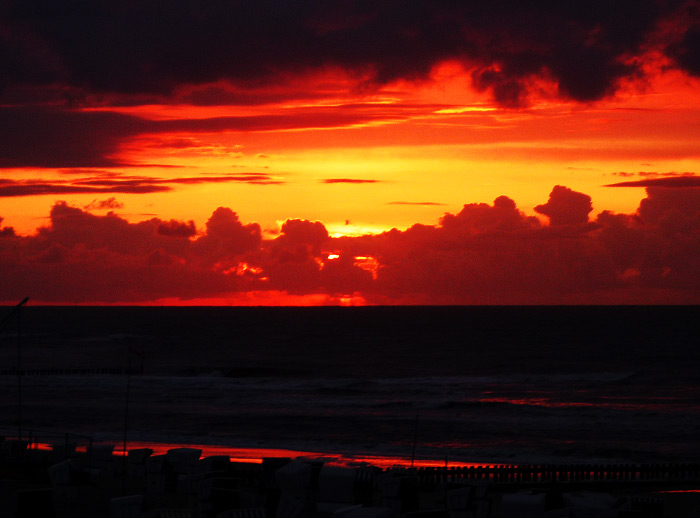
(56, 137)
(149, 48)
(39, 137)
(687, 51)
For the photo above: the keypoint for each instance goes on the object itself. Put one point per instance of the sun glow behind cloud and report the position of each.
(414, 140)
(377, 137)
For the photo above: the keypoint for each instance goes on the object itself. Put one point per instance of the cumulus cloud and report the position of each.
(174, 228)
(484, 254)
(225, 237)
(663, 203)
(481, 218)
(89, 258)
(293, 258)
(298, 262)
(566, 207)
(302, 232)
(6, 231)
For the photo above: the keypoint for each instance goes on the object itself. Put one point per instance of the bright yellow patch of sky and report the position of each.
(409, 153)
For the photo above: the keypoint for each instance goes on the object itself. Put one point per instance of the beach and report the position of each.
(466, 386)
(93, 482)
(488, 385)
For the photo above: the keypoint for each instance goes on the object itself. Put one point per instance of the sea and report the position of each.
(457, 385)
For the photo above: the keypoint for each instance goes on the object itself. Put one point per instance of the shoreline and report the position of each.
(86, 483)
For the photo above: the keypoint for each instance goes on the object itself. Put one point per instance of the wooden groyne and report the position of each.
(560, 473)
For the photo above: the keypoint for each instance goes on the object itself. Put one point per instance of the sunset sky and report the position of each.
(350, 152)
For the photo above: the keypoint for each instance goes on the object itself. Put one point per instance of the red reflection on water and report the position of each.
(535, 402)
(658, 404)
(256, 455)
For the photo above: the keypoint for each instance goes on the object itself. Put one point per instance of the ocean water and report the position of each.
(470, 384)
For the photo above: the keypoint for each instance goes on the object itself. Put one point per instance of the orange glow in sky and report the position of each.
(371, 166)
(361, 141)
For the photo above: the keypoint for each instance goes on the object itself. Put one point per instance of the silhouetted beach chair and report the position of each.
(13, 449)
(294, 481)
(156, 474)
(61, 451)
(72, 493)
(459, 501)
(523, 505)
(218, 494)
(184, 460)
(593, 503)
(398, 492)
(336, 491)
(126, 506)
(101, 458)
(136, 461)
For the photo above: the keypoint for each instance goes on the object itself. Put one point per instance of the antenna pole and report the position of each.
(126, 419)
(19, 366)
(415, 436)
(19, 373)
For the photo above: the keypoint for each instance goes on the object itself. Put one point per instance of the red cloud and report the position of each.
(481, 218)
(174, 228)
(485, 254)
(226, 238)
(6, 231)
(566, 207)
(302, 232)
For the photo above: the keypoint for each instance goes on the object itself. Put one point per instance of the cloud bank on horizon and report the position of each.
(485, 254)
